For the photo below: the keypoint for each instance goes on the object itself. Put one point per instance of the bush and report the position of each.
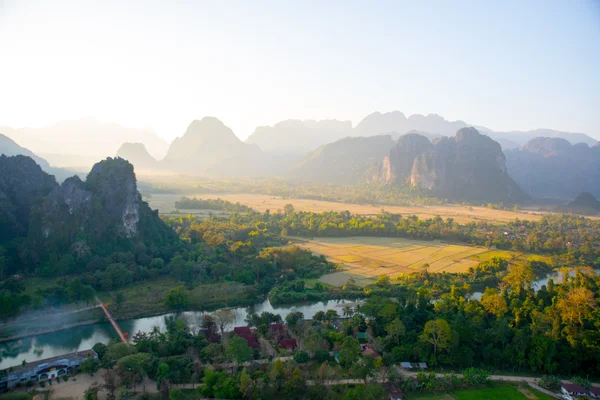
(16, 396)
(321, 356)
(476, 376)
(301, 357)
(65, 378)
(550, 382)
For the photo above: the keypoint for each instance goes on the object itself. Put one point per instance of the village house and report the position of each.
(393, 392)
(246, 333)
(572, 389)
(43, 370)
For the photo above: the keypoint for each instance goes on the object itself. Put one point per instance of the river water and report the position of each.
(556, 276)
(84, 337)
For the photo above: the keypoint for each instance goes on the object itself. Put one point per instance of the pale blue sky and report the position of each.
(505, 65)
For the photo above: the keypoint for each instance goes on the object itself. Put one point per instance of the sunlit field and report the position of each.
(366, 258)
(165, 203)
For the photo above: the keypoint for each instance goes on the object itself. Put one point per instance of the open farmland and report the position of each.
(366, 258)
(165, 203)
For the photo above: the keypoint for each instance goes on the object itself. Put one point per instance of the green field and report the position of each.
(495, 392)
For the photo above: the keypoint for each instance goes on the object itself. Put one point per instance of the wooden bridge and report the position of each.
(112, 321)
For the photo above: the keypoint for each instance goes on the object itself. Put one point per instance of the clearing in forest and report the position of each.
(366, 258)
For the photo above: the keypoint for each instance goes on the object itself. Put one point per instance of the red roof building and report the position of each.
(370, 352)
(573, 389)
(289, 344)
(242, 330)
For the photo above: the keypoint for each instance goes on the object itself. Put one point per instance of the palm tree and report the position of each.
(348, 311)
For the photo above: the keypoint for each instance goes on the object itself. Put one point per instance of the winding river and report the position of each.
(84, 337)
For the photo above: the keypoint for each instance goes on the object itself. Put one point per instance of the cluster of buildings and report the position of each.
(43, 370)
(575, 391)
(278, 332)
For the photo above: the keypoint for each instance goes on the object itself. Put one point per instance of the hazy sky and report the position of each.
(505, 64)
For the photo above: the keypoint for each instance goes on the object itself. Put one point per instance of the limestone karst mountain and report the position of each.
(83, 141)
(555, 168)
(298, 137)
(469, 166)
(137, 155)
(22, 184)
(342, 162)
(208, 147)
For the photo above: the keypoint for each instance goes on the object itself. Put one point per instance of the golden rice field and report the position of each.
(165, 203)
(367, 258)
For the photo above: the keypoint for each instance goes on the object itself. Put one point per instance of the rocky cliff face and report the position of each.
(397, 164)
(343, 162)
(469, 166)
(22, 185)
(104, 211)
(552, 167)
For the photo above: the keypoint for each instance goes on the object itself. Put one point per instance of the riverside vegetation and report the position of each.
(423, 316)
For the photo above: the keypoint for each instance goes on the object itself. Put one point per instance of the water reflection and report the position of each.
(84, 337)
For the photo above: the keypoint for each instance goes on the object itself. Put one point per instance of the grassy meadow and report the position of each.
(494, 392)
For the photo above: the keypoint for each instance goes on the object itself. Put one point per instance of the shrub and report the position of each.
(550, 382)
(301, 357)
(475, 376)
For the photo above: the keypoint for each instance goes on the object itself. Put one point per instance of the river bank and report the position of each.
(82, 337)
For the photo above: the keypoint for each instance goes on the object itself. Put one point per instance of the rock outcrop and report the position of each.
(105, 211)
(22, 185)
(585, 202)
(343, 162)
(469, 166)
(554, 168)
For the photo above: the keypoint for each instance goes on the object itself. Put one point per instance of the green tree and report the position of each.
(238, 350)
(177, 299)
(438, 333)
(246, 385)
(349, 351)
(119, 299)
(90, 366)
(301, 357)
(395, 330)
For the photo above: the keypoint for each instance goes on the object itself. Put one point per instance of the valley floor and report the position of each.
(165, 203)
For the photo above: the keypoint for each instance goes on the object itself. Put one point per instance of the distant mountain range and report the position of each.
(553, 167)
(300, 136)
(429, 156)
(8, 147)
(88, 139)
